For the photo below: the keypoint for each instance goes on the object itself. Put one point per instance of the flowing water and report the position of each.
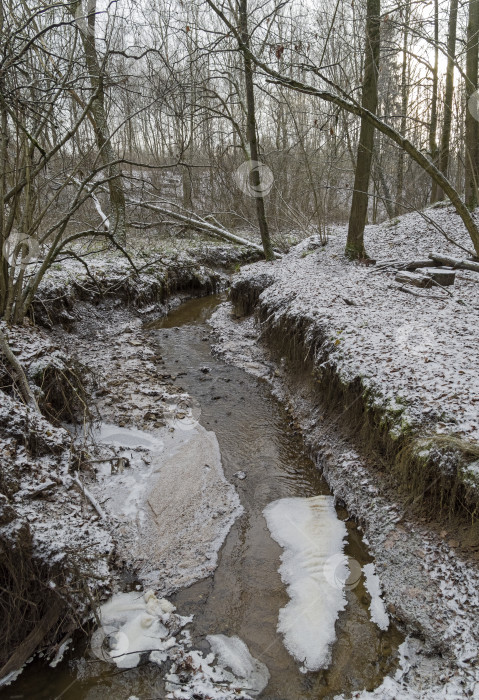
(245, 593)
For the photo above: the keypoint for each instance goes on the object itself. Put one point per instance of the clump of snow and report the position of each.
(233, 653)
(60, 653)
(311, 534)
(377, 607)
(135, 624)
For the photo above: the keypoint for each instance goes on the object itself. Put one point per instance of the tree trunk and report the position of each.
(359, 207)
(102, 134)
(398, 209)
(353, 108)
(433, 149)
(251, 133)
(446, 126)
(471, 161)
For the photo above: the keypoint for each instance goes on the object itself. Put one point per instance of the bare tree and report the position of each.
(359, 208)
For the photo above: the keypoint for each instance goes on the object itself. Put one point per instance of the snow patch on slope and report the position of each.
(311, 534)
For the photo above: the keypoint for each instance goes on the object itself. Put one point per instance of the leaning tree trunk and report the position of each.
(354, 108)
(446, 125)
(251, 134)
(398, 208)
(359, 207)
(117, 225)
(471, 164)
(433, 149)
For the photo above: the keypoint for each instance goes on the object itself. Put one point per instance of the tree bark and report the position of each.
(433, 149)
(251, 133)
(359, 206)
(102, 133)
(471, 161)
(449, 91)
(24, 387)
(398, 209)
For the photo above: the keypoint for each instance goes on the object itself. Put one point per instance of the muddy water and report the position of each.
(245, 593)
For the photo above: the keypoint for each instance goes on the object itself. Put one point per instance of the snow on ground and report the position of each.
(429, 586)
(313, 538)
(416, 352)
(408, 685)
(44, 516)
(159, 475)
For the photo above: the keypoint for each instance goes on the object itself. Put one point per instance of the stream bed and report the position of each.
(245, 594)
(263, 456)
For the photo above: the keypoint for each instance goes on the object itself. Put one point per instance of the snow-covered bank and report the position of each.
(158, 276)
(426, 568)
(73, 503)
(400, 361)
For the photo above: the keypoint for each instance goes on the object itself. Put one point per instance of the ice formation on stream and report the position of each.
(130, 437)
(311, 534)
(135, 624)
(377, 607)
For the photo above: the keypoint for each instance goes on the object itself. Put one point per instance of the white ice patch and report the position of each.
(373, 587)
(233, 653)
(126, 437)
(134, 624)
(311, 534)
(60, 653)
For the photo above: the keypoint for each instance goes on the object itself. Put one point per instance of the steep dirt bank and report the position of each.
(59, 543)
(430, 588)
(396, 449)
(402, 366)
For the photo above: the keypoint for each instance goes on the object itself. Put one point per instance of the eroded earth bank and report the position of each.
(247, 509)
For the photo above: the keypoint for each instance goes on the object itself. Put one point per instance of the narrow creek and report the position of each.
(244, 595)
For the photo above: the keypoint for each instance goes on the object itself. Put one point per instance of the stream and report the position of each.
(263, 456)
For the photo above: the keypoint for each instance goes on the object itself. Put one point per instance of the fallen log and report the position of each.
(415, 264)
(454, 262)
(200, 224)
(415, 279)
(444, 276)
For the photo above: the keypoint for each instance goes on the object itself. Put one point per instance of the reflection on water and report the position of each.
(245, 593)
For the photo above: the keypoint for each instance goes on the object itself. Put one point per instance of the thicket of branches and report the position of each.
(133, 116)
